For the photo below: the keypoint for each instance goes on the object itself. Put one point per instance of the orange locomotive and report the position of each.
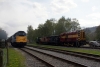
(76, 38)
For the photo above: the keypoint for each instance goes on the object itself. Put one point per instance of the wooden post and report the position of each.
(7, 54)
(1, 58)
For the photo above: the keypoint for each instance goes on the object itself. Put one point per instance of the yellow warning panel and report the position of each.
(21, 39)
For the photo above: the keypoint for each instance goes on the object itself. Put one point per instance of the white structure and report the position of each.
(94, 44)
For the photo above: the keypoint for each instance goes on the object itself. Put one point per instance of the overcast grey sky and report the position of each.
(16, 15)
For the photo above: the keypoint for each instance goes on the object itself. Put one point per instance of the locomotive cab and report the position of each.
(19, 39)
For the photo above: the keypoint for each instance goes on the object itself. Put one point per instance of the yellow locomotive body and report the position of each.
(21, 39)
(81, 36)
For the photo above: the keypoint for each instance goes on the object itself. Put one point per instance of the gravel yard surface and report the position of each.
(86, 62)
(53, 61)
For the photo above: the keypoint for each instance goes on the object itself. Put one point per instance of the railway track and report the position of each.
(80, 54)
(37, 61)
(87, 60)
(51, 60)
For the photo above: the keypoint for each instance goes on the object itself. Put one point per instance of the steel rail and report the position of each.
(49, 65)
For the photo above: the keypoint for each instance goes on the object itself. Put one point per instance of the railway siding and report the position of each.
(85, 55)
(80, 60)
(52, 61)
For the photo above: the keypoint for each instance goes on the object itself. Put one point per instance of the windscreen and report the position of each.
(21, 33)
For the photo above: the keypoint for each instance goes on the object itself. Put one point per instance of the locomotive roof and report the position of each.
(73, 32)
(19, 32)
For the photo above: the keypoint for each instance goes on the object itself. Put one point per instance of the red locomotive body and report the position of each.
(44, 40)
(76, 38)
(68, 37)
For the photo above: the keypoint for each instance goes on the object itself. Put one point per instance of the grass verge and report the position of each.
(16, 59)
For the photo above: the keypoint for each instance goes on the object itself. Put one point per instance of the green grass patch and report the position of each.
(16, 59)
(89, 51)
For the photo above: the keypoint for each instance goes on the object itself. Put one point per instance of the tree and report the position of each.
(66, 25)
(60, 26)
(49, 27)
(98, 33)
(41, 30)
(30, 33)
(75, 25)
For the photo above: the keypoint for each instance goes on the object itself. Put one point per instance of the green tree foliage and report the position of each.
(65, 25)
(41, 30)
(49, 27)
(60, 26)
(36, 34)
(98, 33)
(75, 25)
(30, 33)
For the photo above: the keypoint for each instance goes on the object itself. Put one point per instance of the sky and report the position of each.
(16, 15)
